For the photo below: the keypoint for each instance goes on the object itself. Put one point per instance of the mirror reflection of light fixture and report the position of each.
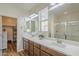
(33, 16)
(73, 22)
(55, 6)
(52, 4)
(65, 12)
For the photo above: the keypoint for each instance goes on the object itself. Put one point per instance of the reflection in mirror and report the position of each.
(59, 31)
(73, 26)
(34, 25)
(28, 26)
(43, 22)
(66, 22)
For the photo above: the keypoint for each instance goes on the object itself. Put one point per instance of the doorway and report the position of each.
(9, 26)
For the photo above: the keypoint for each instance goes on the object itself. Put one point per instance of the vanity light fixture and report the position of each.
(55, 6)
(33, 16)
(73, 22)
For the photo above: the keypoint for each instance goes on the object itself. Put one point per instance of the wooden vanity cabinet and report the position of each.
(35, 49)
(36, 45)
(31, 53)
(31, 45)
(31, 48)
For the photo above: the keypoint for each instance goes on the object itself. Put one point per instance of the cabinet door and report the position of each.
(31, 53)
(31, 47)
(36, 51)
(31, 50)
(0, 35)
(36, 45)
(31, 44)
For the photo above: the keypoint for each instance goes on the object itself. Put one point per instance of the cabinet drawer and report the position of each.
(42, 53)
(36, 45)
(31, 53)
(51, 51)
(36, 51)
(25, 52)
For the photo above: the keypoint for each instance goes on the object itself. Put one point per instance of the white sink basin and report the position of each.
(58, 44)
(52, 42)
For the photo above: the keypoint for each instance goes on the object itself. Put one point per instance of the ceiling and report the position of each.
(26, 9)
(20, 9)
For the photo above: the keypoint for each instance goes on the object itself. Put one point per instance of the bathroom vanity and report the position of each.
(36, 49)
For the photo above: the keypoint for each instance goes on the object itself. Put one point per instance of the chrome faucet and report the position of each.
(65, 36)
(59, 41)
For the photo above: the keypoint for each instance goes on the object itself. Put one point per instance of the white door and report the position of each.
(0, 35)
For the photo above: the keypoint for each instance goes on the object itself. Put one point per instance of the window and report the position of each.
(43, 19)
(44, 25)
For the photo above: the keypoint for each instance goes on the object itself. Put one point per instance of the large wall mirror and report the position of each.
(66, 22)
(62, 23)
(32, 25)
